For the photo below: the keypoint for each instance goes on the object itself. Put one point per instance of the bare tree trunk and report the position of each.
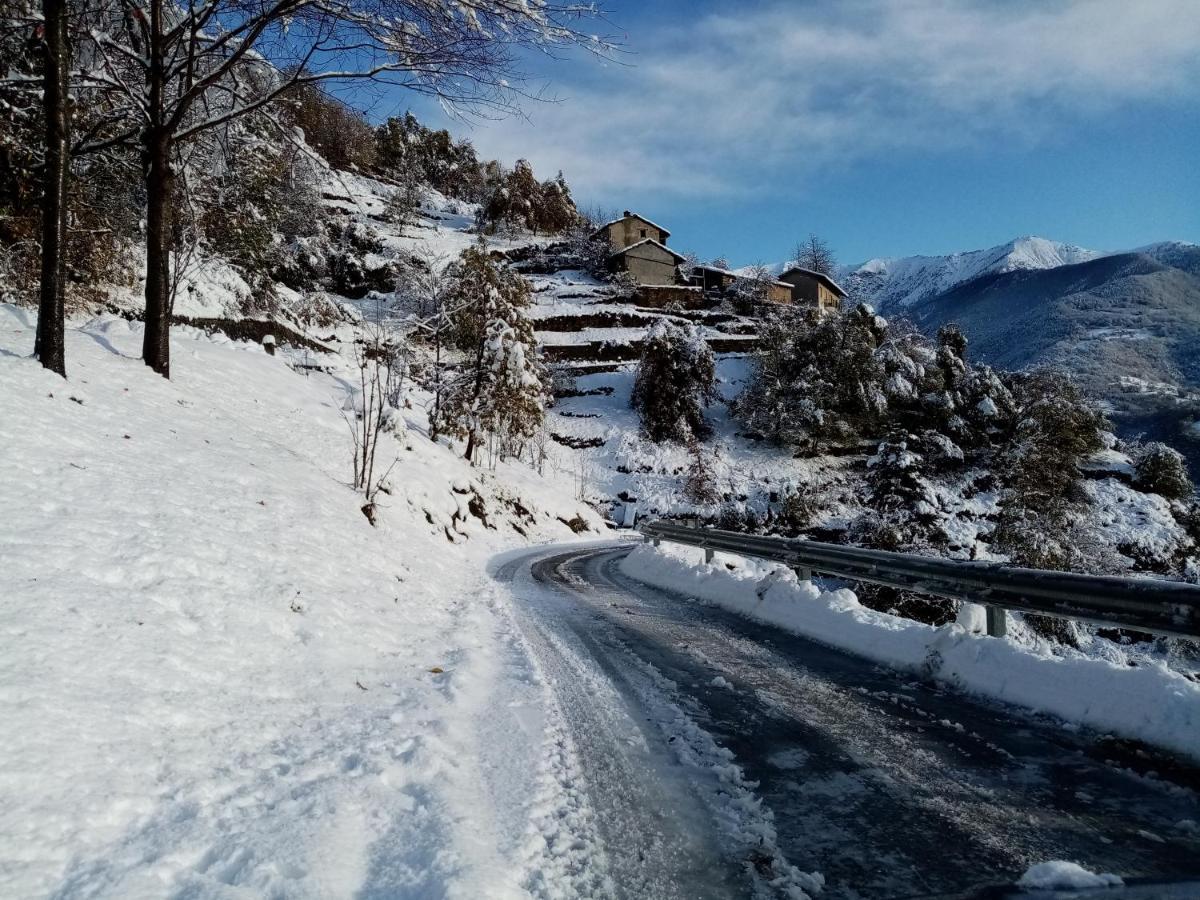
(160, 189)
(49, 343)
(436, 419)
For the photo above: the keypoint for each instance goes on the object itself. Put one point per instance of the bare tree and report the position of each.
(815, 254)
(188, 68)
(370, 415)
(429, 308)
(49, 342)
(753, 289)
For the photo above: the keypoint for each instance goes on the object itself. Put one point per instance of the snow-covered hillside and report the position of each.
(889, 283)
(216, 676)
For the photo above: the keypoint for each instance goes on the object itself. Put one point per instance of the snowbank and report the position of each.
(1149, 703)
(1058, 875)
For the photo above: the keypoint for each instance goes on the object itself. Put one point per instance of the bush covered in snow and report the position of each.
(1160, 469)
(822, 380)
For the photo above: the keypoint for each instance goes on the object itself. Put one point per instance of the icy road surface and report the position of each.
(717, 757)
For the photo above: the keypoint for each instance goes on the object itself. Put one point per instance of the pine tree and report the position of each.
(700, 483)
(558, 212)
(817, 378)
(499, 390)
(675, 381)
(1039, 466)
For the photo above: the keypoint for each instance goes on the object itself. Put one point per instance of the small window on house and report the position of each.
(643, 232)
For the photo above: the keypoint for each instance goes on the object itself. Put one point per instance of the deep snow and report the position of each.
(216, 678)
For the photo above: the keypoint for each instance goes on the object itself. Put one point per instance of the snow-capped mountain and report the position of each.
(902, 282)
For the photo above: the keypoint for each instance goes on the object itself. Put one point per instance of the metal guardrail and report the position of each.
(1139, 604)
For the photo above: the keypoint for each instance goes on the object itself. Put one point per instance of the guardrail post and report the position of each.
(997, 622)
(802, 573)
(708, 554)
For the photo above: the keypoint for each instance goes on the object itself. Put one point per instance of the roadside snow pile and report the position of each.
(216, 677)
(1058, 875)
(1149, 702)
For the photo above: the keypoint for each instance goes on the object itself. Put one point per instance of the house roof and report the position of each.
(740, 276)
(625, 250)
(820, 276)
(633, 215)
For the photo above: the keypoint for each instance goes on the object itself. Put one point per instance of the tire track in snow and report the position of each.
(675, 816)
(899, 787)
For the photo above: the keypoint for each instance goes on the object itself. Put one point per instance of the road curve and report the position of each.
(889, 786)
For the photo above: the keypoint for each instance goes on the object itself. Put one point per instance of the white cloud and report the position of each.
(754, 96)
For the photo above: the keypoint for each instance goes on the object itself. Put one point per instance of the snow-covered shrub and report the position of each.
(731, 517)
(903, 501)
(904, 513)
(1160, 469)
(1043, 498)
(1039, 467)
(264, 197)
(589, 250)
(315, 309)
(343, 258)
(797, 509)
(675, 381)
(752, 292)
(404, 203)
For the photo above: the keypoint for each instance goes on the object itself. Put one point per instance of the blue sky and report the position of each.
(891, 127)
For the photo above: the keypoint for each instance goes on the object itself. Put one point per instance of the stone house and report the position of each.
(639, 248)
(631, 229)
(648, 261)
(810, 288)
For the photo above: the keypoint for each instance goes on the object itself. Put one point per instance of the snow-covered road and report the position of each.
(714, 756)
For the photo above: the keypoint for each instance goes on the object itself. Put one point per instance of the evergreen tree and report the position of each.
(675, 381)
(904, 515)
(499, 390)
(558, 212)
(700, 483)
(817, 378)
(1039, 466)
(903, 501)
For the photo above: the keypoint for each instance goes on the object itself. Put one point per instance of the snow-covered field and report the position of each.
(1148, 701)
(217, 679)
